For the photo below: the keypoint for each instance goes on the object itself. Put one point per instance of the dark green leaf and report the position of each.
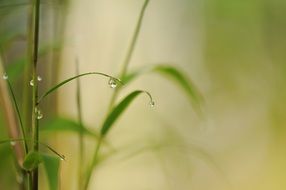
(64, 125)
(32, 160)
(51, 165)
(173, 74)
(118, 110)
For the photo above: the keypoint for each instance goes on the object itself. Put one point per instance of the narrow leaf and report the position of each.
(72, 78)
(119, 109)
(51, 165)
(32, 160)
(173, 74)
(65, 125)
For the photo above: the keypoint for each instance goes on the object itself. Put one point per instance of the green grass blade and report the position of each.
(119, 109)
(16, 68)
(13, 5)
(31, 140)
(133, 40)
(51, 165)
(32, 160)
(18, 115)
(173, 74)
(72, 78)
(64, 125)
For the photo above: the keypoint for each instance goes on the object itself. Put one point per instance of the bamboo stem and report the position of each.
(35, 121)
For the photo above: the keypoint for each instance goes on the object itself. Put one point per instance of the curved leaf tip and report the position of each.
(120, 108)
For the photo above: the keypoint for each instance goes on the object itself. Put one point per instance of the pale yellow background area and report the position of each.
(232, 146)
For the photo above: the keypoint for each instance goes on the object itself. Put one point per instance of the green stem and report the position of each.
(93, 163)
(19, 117)
(27, 72)
(117, 90)
(35, 122)
(81, 143)
(129, 53)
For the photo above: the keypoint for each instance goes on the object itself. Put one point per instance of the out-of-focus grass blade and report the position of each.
(119, 109)
(173, 74)
(16, 68)
(65, 125)
(13, 5)
(72, 78)
(32, 160)
(51, 165)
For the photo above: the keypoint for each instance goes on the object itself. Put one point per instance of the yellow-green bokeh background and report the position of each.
(233, 50)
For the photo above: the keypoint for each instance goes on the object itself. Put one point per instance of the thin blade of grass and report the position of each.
(73, 78)
(64, 125)
(13, 5)
(119, 109)
(51, 165)
(30, 140)
(173, 74)
(18, 115)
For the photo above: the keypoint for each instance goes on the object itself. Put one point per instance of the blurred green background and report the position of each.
(233, 50)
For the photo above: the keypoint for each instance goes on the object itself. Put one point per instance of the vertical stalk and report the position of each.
(93, 164)
(35, 122)
(81, 143)
(28, 70)
(117, 90)
(129, 52)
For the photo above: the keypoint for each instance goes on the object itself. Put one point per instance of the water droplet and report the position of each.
(13, 143)
(62, 157)
(112, 83)
(39, 78)
(5, 76)
(32, 82)
(152, 103)
(38, 113)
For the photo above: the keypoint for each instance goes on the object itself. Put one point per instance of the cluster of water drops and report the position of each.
(38, 113)
(39, 78)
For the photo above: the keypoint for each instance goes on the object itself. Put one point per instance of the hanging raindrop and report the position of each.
(62, 157)
(152, 103)
(39, 78)
(32, 82)
(112, 83)
(5, 76)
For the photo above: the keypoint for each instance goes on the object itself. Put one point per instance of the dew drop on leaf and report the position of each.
(152, 104)
(112, 83)
(39, 78)
(62, 157)
(32, 82)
